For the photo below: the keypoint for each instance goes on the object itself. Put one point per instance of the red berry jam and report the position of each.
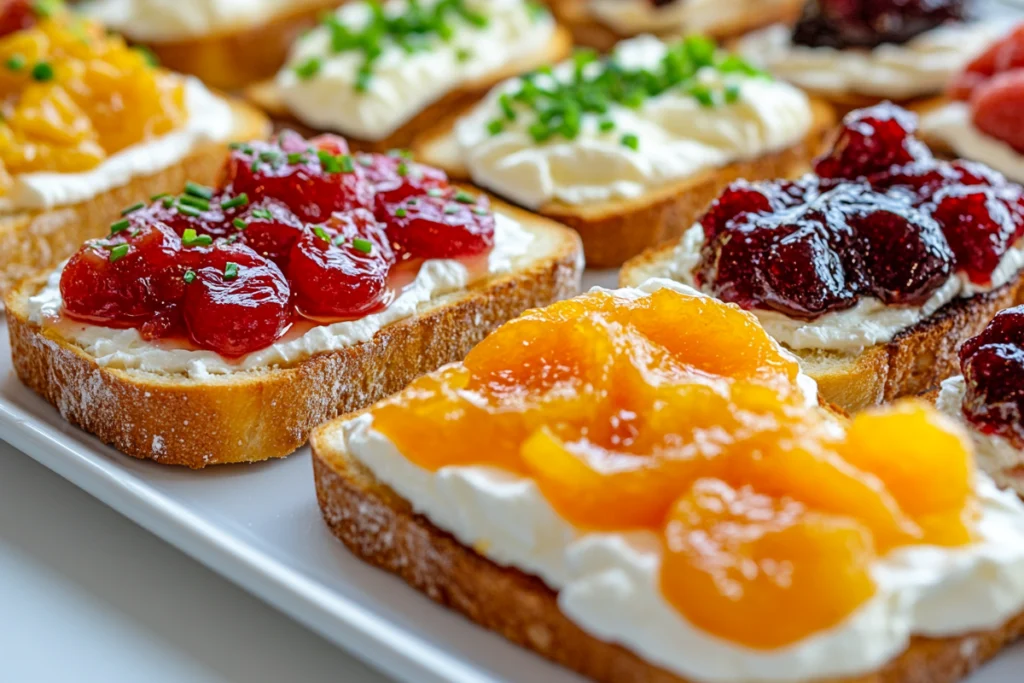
(993, 367)
(882, 218)
(868, 23)
(291, 234)
(17, 15)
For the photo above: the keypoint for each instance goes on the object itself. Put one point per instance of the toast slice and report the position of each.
(915, 361)
(520, 607)
(268, 413)
(35, 240)
(615, 231)
(432, 120)
(232, 59)
(589, 31)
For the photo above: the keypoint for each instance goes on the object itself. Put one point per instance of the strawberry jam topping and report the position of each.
(881, 218)
(869, 23)
(301, 228)
(993, 367)
(993, 87)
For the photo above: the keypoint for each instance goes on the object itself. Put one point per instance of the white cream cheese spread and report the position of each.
(126, 349)
(630, 17)
(210, 119)
(674, 135)
(607, 582)
(952, 126)
(322, 86)
(921, 66)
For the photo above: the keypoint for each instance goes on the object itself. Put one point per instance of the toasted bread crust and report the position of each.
(34, 240)
(915, 361)
(359, 510)
(250, 416)
(589, 31)
(438, 116)
(235, 59)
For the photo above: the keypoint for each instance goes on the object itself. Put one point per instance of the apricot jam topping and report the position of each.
(677, 414)
(71, 95)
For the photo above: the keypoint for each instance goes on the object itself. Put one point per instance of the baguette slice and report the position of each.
(231, 60)
(436, 117)
(357, 507)
(589, 31)
(35, 240)
(917, 360)
(262, 414)
(616, 230)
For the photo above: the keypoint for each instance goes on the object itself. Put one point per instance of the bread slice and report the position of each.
(35, 240)
(589, 31)
(231, 60)
(436, 117)
(262, 414)
(616, 230)
(917, 360)
(359, 509)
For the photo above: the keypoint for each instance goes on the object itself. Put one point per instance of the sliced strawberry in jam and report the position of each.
(340, 269)
(1005, 55)
(394, 178)
(270, 229)
(979, 225)
(993, 367)
(127, 279)
(1007, 327)
(996, 108)
(440, 224)
(186, 211)
(873, 140)
(740, 197)
(313, 179)
(236, 301)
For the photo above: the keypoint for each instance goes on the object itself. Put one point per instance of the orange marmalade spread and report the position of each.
(678, 414)
(72, 95)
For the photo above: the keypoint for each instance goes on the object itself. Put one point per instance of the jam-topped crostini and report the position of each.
(979, 118)
(301, 232)
(664, 467)
(863, 252)
(87, 121)
(989, 397)
(383, 74)
(857, 52)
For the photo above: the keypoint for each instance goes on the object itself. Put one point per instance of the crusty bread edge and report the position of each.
(34, 240)
(381, 528)
(916, 360)
(251, 416)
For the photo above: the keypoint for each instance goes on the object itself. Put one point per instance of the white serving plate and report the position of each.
(260, 527)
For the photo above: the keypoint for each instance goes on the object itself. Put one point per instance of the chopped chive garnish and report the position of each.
(270, 155)
(197, 190)
(118, 252)
(347, 165)
(496, 126)
(190, 239)
(401, 213)
(463, 54)
(196, 202)
(42, 72)
(295, 158)
(309, 68)
(322, 234)
(190, 276)
(189, 210)
(435, 192)
(262, 214)
(630, 140)
(120, 225)
(168, 201)
(230, 270)
(15, 63)
(402, 169)
(606, 125)
(239, 224)
(158, 197)
(464, 197)
(732, 93)
(449, 210)
(479, 211)
(238, 200)
(365, 246)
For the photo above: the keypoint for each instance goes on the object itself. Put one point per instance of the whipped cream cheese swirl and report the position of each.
(370, 68)
(617, 138)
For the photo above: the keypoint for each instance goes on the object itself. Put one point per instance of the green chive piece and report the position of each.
(15, 62)
(347, 165)
(505, 102)
(732, 93)
(239, 224)
(119, 226)
(237, 200)
(190, 276)
(168, 202)
(494, 127)
(308, 68)
(402, 169)
(463, 55)
(295, 158)
(230, 270)
(630, 140)
(118, 252)
(42, 72)
(45, 9)
(463, 197)
(133, 208)
(197, 190)
(606, 125)
(195, 202)
(322, 234)
(435, 192)
(190, 239)
(449, 210)
(401, 213)
(158, 197)
(479, 211)
(189, 210)
(262, 214)
(365, 246)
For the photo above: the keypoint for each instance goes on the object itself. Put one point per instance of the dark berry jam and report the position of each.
(292, 234)
(868, 23)
(882, 218)
(993, 367)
